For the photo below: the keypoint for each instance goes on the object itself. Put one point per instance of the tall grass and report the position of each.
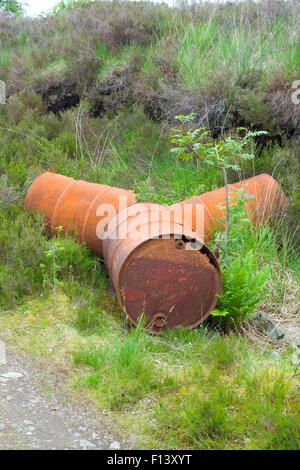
(124, 372)
(195, 389)
(245, 408)
(249, 55)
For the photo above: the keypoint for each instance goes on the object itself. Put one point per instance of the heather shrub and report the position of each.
(76, 260)
(22, 250)
(248, 59)
(30, 263)
(25, 105)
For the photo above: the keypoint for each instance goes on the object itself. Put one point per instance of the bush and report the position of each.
(244, 286)
(242, 76)
(22, 250)
(30, 263)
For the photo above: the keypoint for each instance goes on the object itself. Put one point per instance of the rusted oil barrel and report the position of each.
(268, 201)
(160, 269)
(79, 207)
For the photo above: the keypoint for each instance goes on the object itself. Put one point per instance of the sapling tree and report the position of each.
(221, 154)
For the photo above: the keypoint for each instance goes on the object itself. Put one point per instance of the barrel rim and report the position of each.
(190, 326)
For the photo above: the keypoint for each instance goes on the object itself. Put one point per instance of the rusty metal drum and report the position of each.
(269, 200)
(78, 206)
(160, 269)
(266, 201)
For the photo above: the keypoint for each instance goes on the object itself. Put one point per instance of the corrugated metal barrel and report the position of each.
(160, 269)
(79, 207)
(268, 201)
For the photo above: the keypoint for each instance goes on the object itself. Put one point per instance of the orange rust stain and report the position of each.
(266, 201)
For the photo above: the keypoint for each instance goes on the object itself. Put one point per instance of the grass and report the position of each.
(243, 55)
(206, 48)
(186, 389)
(4, 57)
(222, 412)
(123, 371)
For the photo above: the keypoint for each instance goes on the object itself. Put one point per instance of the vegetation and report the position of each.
(92, 91)
(244, 279)
(12, 6)
(223, 154)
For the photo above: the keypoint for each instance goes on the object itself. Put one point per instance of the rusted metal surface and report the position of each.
(269, 201)
(79, 207)
(159, 269)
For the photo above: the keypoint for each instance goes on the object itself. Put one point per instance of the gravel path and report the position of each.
(30, 419)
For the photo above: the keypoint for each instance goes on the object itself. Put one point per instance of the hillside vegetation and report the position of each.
(92, 91)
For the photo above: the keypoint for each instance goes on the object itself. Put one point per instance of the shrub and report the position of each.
(25, 105)
(22, 250)
(244, 286)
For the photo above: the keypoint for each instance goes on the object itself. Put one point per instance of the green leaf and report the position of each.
(219, 313)
(247, 156)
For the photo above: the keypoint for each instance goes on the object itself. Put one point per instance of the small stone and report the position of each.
(3, 380)
(9, 398)
(115, 445)
(31, 428)
(12, 375)
(85, 443)
(27, 422)
(279, 333)
(275, 356)
(2, 427)
(268, 327)
(34, 401)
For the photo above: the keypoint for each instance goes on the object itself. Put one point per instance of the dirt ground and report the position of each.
(36, 414)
